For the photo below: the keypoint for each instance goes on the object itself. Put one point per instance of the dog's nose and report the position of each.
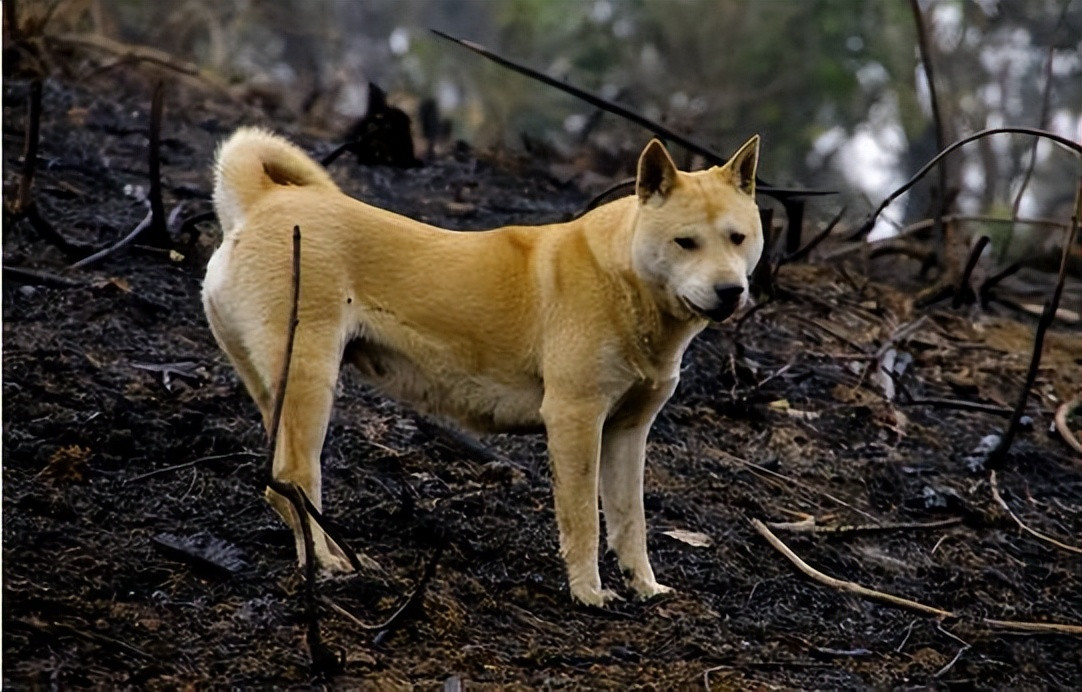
(728, 294)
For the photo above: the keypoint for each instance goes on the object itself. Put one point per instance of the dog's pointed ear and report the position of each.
(743, 164)
(657, 174)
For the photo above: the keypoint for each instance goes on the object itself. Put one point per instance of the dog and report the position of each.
(575, 329)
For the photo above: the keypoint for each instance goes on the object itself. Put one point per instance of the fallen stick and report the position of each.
(185, 465)
(33, 276)
(809, 526)
(1033, 532)
(897, 601)
(1062, 428)
(847, 586)
(119, 245)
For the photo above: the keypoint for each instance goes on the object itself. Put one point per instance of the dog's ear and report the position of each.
(743, 164)
(656, 174)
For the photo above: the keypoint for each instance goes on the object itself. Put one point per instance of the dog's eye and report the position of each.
(736, 238)
(686, 242)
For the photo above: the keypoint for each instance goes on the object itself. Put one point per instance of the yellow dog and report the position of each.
(576, 328)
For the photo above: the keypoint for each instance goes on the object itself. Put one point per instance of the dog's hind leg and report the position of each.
(306, 412)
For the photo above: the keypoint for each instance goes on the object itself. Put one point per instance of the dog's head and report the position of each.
(698, 235)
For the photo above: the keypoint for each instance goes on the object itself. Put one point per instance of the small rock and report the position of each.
(978, 456)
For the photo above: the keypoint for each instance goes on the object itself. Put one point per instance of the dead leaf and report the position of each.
(692, 538)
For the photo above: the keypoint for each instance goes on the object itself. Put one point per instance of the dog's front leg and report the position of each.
(574, 441)
(623, 460)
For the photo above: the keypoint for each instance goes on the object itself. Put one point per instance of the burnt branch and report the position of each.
(24, 206)
(804, 251)
(963, 291)
(627, 185)
(998, 456)
(119, 245)
(869, 222)
(323, 660)
(30, 150)
(159, 235)
(794, 214)
(985, 291)
(38, 278)
(605, 104)
(413, 604)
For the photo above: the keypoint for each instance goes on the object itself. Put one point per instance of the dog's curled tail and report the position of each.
(252, 162)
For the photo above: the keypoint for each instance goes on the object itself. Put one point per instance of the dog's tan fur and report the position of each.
(576, 328)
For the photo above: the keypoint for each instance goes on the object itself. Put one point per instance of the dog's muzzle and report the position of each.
(729, 298)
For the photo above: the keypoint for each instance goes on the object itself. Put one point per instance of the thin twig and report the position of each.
(802, 484)
(847, 586)
(186, 464)
(945, 669)
(1062, 428)
(323, 661)
(897, 601)
(144, 54)
(398, 618)
(1033, 532)
(959, 405)
(869, 222)
(627, 184)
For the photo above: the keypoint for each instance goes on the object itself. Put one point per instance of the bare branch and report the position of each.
(1064, 142)
(657, 128)
(998, 456)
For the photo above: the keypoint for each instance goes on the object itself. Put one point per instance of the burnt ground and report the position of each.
(125, 432)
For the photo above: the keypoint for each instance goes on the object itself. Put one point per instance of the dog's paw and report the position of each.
(647, 590)
(596, 598)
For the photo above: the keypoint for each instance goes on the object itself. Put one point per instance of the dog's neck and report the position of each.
(660, 335)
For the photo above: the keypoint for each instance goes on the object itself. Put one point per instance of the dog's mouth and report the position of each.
(719, 313)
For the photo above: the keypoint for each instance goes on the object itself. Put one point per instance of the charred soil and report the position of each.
(138, 551)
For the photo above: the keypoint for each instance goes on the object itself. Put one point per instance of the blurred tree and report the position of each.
(834, 86)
